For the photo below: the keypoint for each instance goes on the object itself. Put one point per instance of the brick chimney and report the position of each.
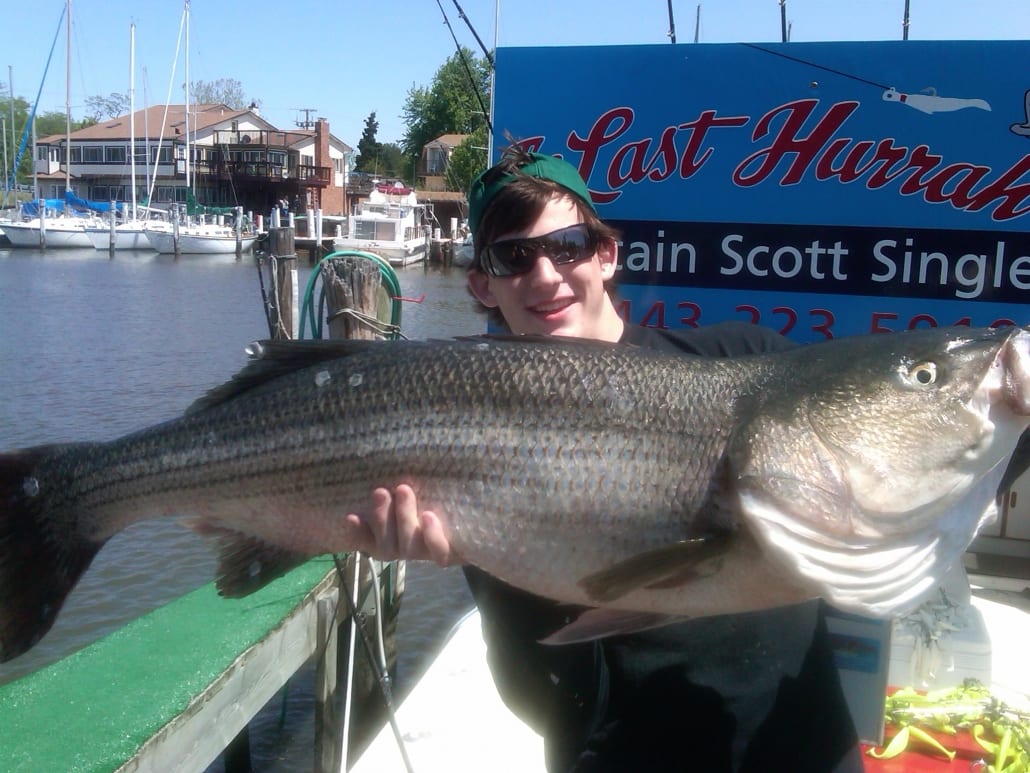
(322, 157)
(333, 199)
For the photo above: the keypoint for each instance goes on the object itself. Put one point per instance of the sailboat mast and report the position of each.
(187, 14)
(68, 98)
(132, 114)
(14, 145)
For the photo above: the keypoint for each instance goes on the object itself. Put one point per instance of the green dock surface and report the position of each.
(93, 710)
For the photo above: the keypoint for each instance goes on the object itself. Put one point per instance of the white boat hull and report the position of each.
(195, 243)
(58, 235)
(397, 253)
(128, 236)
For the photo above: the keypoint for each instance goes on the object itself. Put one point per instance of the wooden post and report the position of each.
(175, 234)
(42, 224)
(352, 284)
(280, 247)
(355, 284)
(328, 738)
(111, 232)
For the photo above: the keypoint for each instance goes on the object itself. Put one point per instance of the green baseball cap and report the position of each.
(543, 167)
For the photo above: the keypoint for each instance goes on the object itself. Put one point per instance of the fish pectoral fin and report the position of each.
(598, 623)
(667, 567)
(246, 564)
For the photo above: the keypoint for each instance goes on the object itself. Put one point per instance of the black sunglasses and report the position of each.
(518, 256)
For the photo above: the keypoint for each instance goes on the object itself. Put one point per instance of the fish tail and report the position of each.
(40, 561)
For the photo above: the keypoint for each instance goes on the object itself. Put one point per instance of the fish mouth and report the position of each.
(1014, 362)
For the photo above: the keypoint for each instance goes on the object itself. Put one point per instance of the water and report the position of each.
(93, 347)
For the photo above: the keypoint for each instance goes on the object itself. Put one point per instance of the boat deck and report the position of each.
(454, 720)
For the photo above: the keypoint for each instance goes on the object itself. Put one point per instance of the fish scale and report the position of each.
(621, 479)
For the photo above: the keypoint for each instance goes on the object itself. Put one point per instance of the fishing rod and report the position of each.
(465, 64)
(482, 47)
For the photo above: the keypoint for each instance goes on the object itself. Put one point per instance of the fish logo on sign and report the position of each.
(928, 102)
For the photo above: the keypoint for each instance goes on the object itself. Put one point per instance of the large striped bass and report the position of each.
(632, 481)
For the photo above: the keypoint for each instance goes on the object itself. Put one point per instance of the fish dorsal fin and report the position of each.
(271, 359)
(667, 567)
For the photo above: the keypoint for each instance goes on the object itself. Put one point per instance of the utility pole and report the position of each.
(307, 123)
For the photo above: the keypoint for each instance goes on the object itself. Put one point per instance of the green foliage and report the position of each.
(453, 103)
(468, 160)
(101, 108)
(368, 147)
(225, 91)
(21, 117)
(392, 162)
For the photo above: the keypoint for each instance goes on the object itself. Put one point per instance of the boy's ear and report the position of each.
(608, 254)
(479, 286)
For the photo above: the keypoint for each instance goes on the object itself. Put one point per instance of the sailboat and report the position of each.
(131, 234)
(197, 237)
(51, 225)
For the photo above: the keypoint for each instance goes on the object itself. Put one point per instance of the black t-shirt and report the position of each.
(756, 692)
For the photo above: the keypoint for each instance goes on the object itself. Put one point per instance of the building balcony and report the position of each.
(263, 171)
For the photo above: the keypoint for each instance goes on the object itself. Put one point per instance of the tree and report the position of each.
(100, 108)
(392, 161)
(224, 91)
(368, 147)
(21, 117)
(47, 124)
(453, 103)
(467, 161)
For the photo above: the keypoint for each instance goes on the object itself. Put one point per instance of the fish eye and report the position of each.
(924, 374)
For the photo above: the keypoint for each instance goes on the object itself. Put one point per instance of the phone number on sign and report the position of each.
(787, 320)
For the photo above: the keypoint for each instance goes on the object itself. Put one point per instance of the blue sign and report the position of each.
(822, 189)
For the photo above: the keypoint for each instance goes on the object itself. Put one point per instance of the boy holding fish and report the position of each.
(746, 692)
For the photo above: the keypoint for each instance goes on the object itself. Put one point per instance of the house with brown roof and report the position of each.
(435, 157)
(236, 158)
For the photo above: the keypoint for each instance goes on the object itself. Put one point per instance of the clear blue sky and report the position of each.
(374, 51)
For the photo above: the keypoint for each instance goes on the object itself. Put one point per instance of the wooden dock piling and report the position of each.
(353, 298)
(284, 265)
(111, 231)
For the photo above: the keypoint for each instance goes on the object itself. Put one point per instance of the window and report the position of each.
(165, 193)
(436, 161)
(162, 155)
(114, 154)
(92, 155)
(76, 153)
